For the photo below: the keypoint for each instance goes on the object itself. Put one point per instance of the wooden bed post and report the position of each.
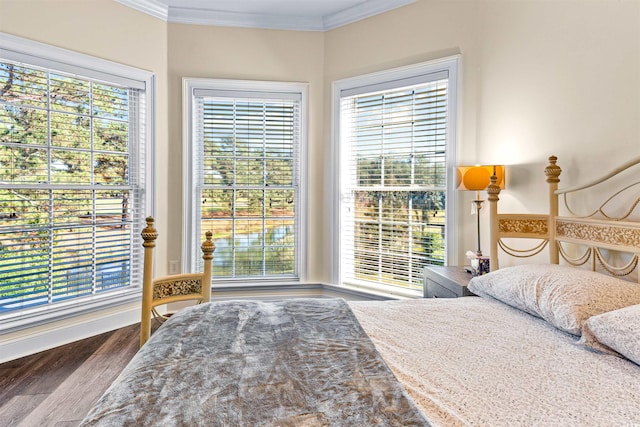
(207, 255)
(553, 171)
(149, 234)
(493, 192)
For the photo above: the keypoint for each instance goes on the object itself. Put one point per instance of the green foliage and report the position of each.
(58, 130)
(248, 199)
(397, 232)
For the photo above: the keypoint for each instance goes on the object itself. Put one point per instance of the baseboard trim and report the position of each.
(297, 290)
(37, 339)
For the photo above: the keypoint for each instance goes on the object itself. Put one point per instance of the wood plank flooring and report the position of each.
(58, 387)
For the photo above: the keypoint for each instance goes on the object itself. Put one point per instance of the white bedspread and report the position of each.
(473, 361)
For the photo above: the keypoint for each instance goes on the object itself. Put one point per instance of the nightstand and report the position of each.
(445, 282)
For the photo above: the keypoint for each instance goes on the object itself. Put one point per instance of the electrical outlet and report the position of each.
(174, 267)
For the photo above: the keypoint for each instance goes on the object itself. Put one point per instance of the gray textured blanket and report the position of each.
(300, 362)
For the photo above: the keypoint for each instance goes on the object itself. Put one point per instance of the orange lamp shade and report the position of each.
(476, 178)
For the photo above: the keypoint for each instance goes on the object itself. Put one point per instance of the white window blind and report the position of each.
(248, 173)
(393, 139)
(71, 185)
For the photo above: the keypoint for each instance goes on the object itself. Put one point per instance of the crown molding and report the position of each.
(244, 20)
(361, 11)
(150, 7)
(185, 15)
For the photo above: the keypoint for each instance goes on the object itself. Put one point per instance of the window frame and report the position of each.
(190, 250)
(67, 61)
(389, 79)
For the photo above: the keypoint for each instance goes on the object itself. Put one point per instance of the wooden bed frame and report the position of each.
(596, 232)
(174, 288)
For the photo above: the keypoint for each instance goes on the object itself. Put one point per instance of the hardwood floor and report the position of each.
(58, 387)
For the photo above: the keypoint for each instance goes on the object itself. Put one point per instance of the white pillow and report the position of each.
(617, 330)
(563, 296)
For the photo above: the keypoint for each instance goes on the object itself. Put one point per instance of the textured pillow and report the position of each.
(563, 296)
(617, 330)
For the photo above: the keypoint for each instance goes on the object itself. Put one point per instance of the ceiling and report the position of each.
(304, 15)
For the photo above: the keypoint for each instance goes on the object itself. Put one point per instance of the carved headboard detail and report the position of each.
(598, 232)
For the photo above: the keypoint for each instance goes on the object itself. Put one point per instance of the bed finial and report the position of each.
(493, 193)
(493, 190)
(553, 171)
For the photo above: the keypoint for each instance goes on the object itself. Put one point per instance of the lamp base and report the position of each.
(478, 205)
(480, 265)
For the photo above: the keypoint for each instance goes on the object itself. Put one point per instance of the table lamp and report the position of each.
(476, 178)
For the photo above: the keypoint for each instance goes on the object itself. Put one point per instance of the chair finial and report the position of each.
(149, 234)
(208, 246)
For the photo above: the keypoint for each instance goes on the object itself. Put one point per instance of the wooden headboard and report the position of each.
(597, 232)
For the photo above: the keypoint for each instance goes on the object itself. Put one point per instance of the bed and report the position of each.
(540, 345)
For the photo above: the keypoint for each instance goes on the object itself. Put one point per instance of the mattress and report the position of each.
(477, 361)
(325, 362)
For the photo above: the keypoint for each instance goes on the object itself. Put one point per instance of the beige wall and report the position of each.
(108, 30)
(248, 54)
(538, 78)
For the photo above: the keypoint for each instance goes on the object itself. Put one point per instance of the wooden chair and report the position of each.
(174, 288)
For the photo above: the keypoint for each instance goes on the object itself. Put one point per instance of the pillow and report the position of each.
(617, 330)
(563, 296)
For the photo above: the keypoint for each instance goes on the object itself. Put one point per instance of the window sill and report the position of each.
(383, 291)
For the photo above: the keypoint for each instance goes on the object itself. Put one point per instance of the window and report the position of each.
(246, 154)
(72, 178)
(395, 145)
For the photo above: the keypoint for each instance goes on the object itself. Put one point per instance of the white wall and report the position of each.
(538, 78)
